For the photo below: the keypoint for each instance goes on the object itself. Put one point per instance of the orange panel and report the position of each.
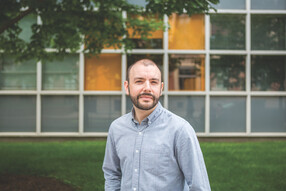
(103, 72)
(187, 32)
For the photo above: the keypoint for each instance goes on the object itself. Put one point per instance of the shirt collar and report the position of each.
(152, 117)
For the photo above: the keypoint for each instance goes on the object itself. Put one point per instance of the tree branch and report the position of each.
(15, 20)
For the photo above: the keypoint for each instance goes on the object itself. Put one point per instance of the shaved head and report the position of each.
(145, 62)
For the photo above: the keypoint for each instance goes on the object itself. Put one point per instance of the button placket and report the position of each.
(136, 164)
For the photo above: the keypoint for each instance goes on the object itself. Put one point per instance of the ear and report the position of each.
(126, 87)
(162, 87)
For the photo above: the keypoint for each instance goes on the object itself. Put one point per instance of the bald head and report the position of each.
(145, 62)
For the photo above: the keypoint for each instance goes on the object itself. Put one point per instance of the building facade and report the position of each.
(224, 72)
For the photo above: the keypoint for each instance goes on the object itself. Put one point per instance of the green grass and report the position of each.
(248, 166)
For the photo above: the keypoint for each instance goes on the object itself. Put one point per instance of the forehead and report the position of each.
(140, 70)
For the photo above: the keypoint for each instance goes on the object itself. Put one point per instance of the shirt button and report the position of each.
(140, 133)
(137, 151)
(134, 189)
(135, 170)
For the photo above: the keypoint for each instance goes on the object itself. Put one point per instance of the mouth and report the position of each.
(146, 97)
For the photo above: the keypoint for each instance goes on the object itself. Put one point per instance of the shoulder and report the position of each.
(178, 124)
(120, 122)
(172, 118)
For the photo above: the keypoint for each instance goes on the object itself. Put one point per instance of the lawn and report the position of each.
(245, 166)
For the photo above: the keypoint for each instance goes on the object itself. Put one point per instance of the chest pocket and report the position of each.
(156, 160)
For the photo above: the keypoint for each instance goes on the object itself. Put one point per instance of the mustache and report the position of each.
(146, 94)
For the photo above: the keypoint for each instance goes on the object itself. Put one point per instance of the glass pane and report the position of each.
(186, 72)
(17, 75)
(227, 114)
(268, 114)
(158, 59)
(60, 113)
(268, 32)
(129, 104)
(227, 72)
(187, 32)
(191, 108)
(103, 72)
(230, 4)
(268, 73)
(153, 41)
(17, 113)
(26, 25)
(61, 74)
(100, 111)
(141, 3)
(268, 4)
(227, 31)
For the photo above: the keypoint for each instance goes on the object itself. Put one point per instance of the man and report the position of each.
(150, 148)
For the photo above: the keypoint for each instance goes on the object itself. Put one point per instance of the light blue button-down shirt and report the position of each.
(160, 154)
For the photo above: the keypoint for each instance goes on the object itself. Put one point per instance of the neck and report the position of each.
(140, 114)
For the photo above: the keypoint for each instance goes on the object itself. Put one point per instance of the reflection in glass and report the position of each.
(268, 114)
(227, 72)
(60, 113)
(268, 32)
(268, 73)
(186, 32)
(61, 74)
(26, 25)
(100, 111)
(129, 104)
(17, 75)
(191, 108)
(227, 114)
(17, 113)
(268, 4)
(157, 58)
(103, 72)
(230, 4)
(153, 41)
(186, 72)
(227, 31)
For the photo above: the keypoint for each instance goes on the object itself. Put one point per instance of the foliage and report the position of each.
(64, 25)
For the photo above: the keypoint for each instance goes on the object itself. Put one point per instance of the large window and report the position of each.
(59, 113)
(230, 4)
(223, 72)
(228, 114)
(17, 75)
(268, 32)
(227, 72)
(268, 4)
(268, 114)
(100, 111)
(191, 108)
(186, 72)
(61, 74)
(227, 31)
(17, 113)
(268, 73)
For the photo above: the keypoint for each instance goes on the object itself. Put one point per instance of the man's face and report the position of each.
(145, 86)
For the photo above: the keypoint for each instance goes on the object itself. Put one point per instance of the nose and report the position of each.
(147, 87)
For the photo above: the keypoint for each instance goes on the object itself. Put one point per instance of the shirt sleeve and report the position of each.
(111, 166)
(190, 159)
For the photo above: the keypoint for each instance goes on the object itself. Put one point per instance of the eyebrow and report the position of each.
(140, 78)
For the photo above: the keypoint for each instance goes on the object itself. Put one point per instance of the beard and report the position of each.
(136, 103)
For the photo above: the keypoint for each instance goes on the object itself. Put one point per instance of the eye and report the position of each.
(138, 81)
(154, 82)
